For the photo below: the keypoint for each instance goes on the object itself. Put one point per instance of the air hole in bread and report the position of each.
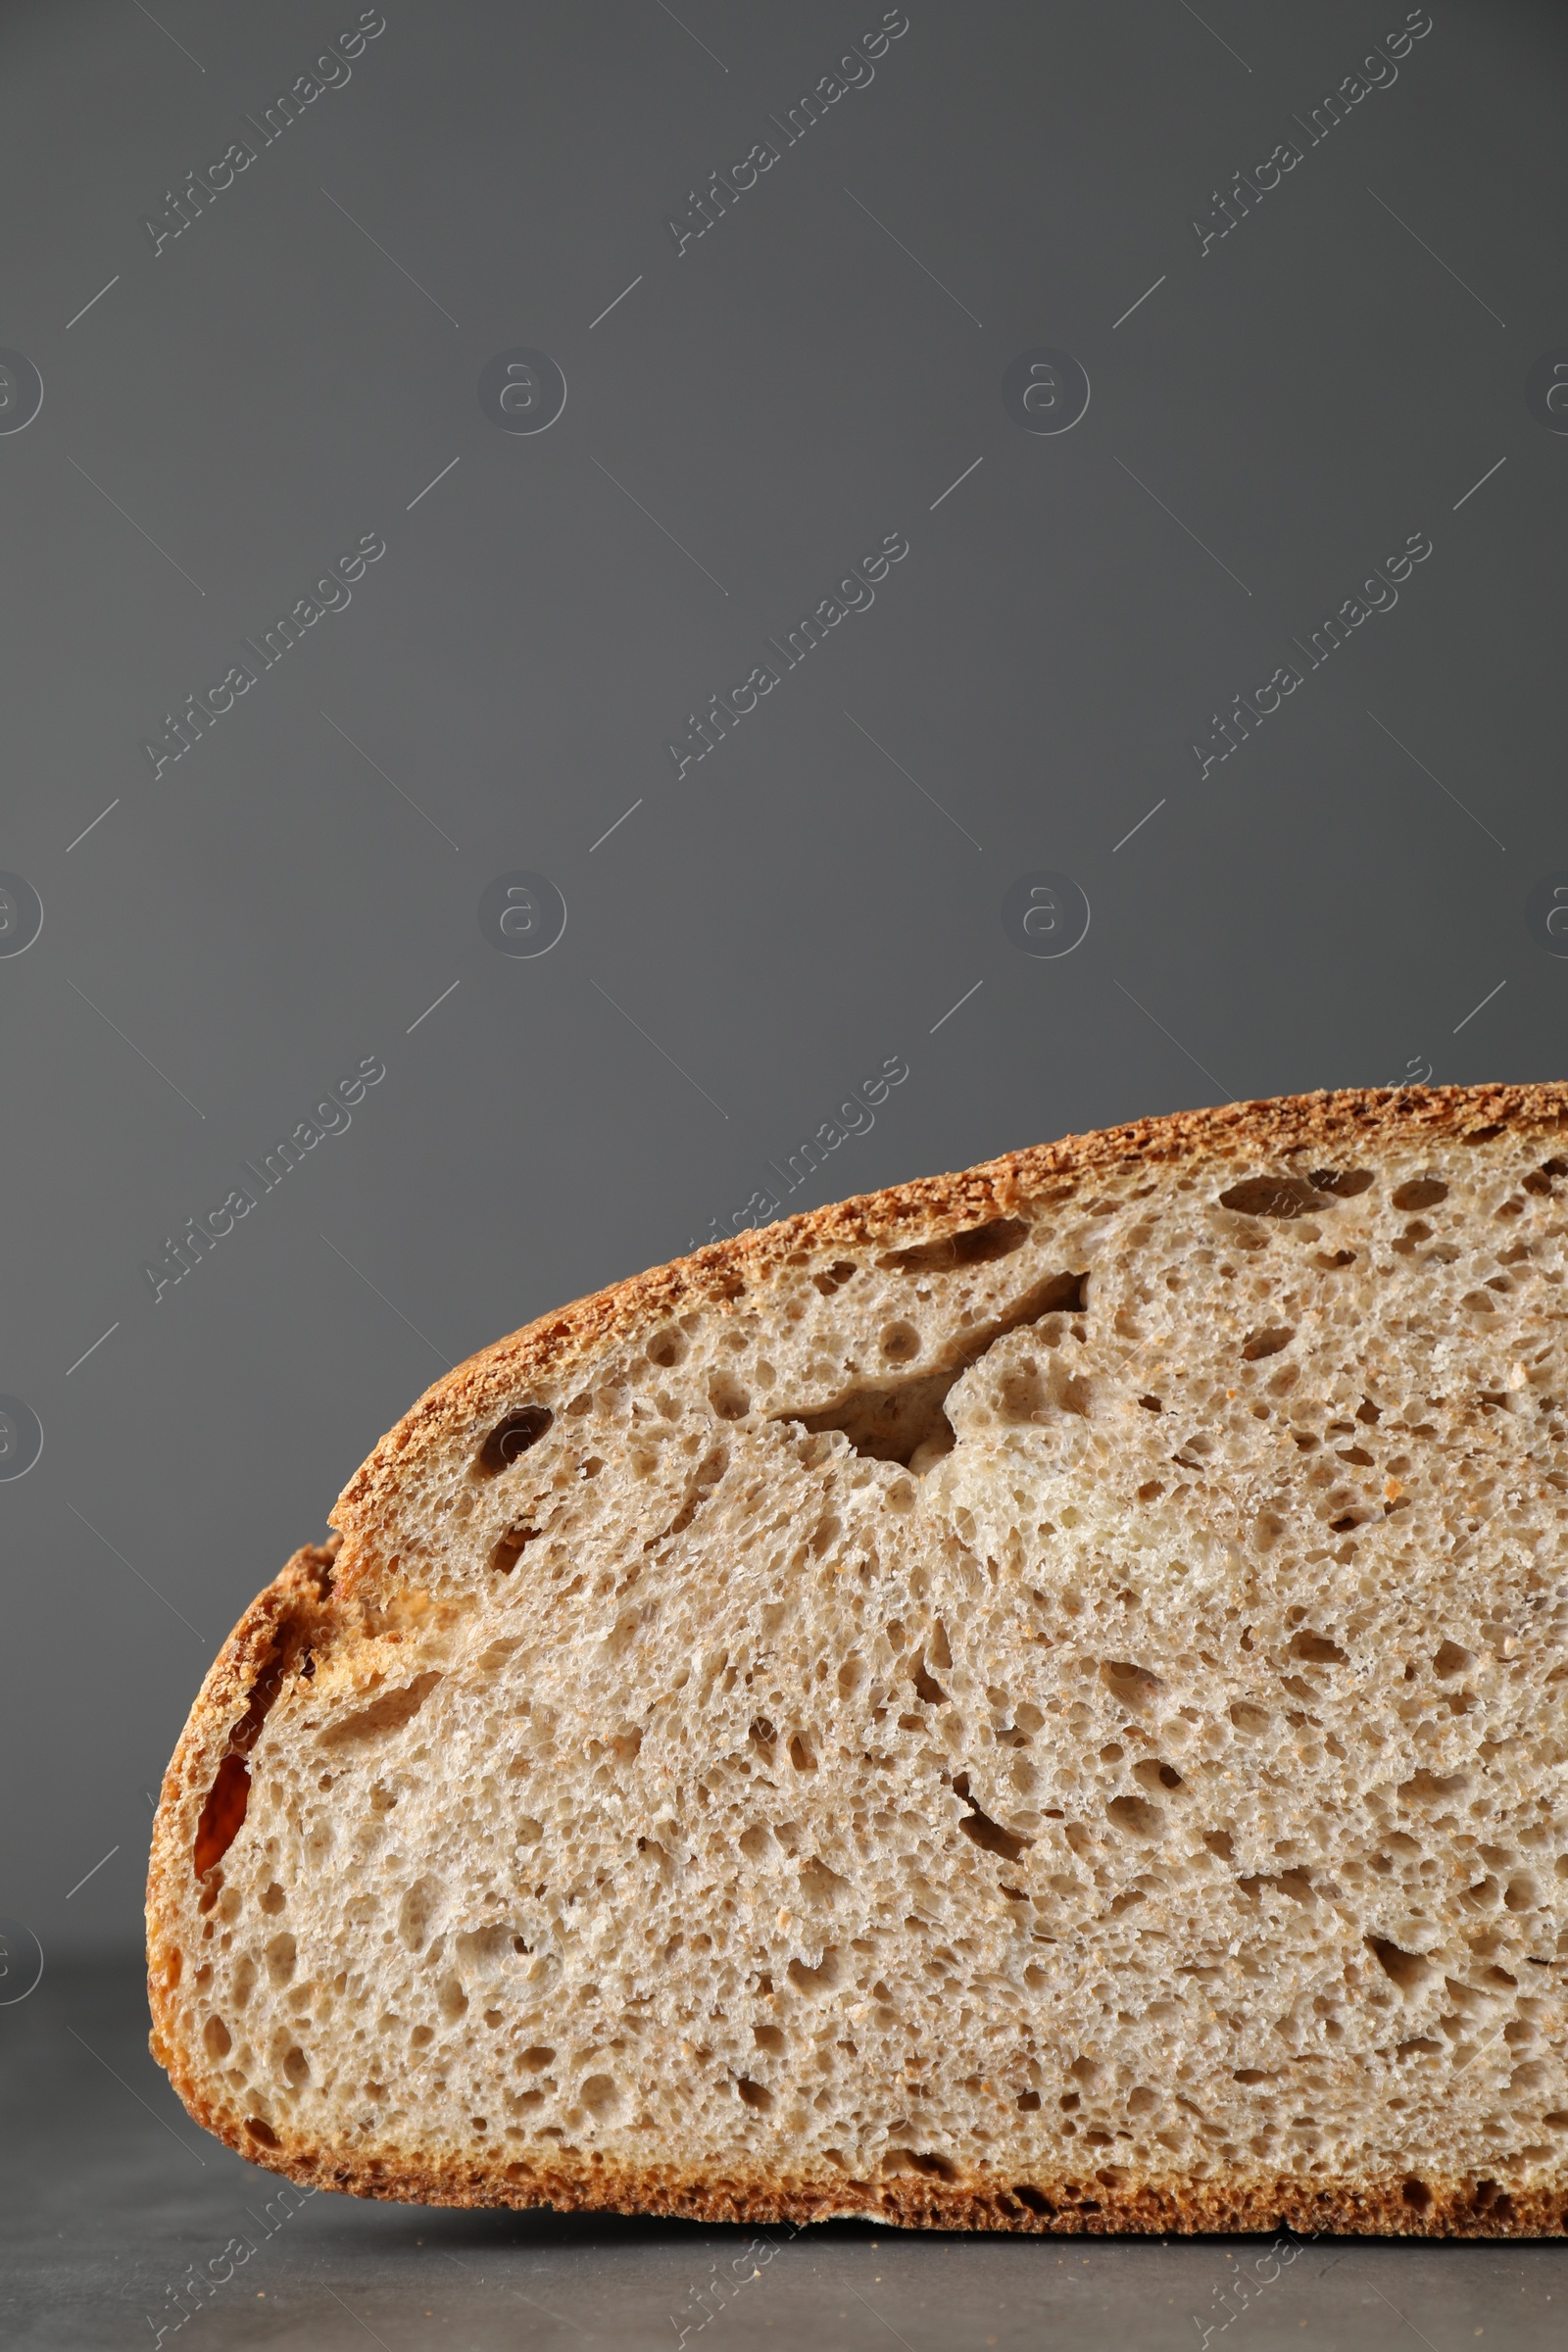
(1271, 1341)
(1318, 1648)
(926, 1683)
(1035, 2202)
(513, 1436)
(385, 1714)
(1343, 1183)
(1452, 1660)
(833, 1278)
(979, 1827)
(1133, 1684)
(892, 1423)
(667, 1348)
(1426, 1786)
(1058, 1294)
(728, 1397)
(1297, 1884)
(222, 1815)
(1272, 1197)
(975, 1245)
(1408, 1970)
(755, 2094)
(261, 2131)
(820, 1979)
(918, 2160)
(1137, 1816)
(897, 1421)
(510, 1549)
(1422, 1192)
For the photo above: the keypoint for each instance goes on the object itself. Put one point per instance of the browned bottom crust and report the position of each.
(1087, 2205)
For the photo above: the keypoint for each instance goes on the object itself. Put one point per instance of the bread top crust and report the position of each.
(1264, 1137)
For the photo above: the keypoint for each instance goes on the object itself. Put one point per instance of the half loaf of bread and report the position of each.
(1033, 1701)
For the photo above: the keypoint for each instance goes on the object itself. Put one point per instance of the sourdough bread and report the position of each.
(1033, 1701)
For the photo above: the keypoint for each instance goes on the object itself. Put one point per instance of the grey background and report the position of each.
(1327, 907)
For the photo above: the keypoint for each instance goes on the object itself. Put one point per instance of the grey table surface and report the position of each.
(1156, 684)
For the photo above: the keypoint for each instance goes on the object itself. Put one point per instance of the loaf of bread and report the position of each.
(1033, 1701)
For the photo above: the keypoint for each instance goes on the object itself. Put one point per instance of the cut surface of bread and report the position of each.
(1033, 1701)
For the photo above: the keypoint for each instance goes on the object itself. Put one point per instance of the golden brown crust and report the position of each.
(1080, 2205)
(314, 1604)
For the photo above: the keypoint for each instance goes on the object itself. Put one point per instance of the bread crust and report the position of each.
(319, 1603)
(1079, 2205)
